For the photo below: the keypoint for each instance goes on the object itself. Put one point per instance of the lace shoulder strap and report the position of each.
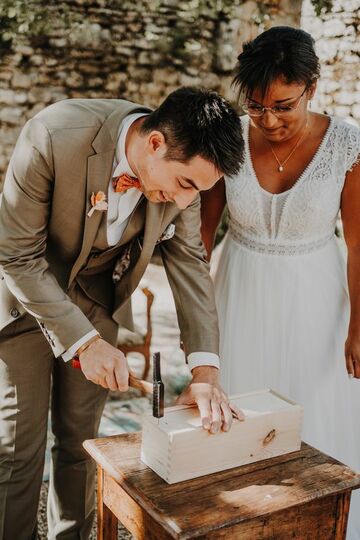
(351, 142)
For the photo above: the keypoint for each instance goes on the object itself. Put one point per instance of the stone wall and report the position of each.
(338, 47)
(139, 50)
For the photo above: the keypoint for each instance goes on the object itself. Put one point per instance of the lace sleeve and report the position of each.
(352, 148)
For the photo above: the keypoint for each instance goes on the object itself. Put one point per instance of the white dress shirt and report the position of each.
(120, 207)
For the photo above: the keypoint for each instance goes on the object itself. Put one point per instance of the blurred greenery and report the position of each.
(33, 19)
(322, 6)
(36, 20)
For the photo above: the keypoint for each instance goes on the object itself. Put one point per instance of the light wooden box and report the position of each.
(177, 448)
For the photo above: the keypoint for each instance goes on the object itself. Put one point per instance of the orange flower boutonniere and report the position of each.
(98, 202)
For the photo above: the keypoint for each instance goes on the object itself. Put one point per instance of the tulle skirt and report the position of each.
(283, 325)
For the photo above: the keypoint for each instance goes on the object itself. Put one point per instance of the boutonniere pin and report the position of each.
(98, 202)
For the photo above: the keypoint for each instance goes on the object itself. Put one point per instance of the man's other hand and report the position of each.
(204, 390)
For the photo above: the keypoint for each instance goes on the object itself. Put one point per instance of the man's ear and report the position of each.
(156, 141)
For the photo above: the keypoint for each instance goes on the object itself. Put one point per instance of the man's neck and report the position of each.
(132, 142)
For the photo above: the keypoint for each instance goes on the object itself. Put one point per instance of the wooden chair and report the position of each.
(138, 341)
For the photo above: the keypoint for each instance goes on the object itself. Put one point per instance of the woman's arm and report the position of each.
(350, 214)
(212, 206)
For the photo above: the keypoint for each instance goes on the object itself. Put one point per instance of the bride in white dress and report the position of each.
(289, 310)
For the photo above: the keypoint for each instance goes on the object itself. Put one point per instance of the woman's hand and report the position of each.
(352, 355)
(205, 391)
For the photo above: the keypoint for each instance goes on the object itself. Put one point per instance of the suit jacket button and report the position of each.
(14, 313)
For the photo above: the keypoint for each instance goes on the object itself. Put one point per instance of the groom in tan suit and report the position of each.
(74, 244)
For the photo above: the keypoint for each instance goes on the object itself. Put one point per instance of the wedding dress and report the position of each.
(282, 297)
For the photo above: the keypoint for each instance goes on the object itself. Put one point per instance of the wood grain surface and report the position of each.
(254, 497)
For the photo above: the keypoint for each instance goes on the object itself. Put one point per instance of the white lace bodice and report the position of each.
(304, 217)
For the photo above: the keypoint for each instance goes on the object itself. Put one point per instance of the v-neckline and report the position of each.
(305, 171)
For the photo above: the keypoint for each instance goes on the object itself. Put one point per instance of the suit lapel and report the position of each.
(100, 167)
(99, 172)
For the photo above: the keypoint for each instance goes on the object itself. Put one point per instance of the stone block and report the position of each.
(94, 82)
(342, 111)
(24, 50)
(12, 115)
(140, 74)
(21, 80)
(74, 80)
(51, 62)
(347, 46)
(4, 161)
(326, 85)
(349, 58)
(37, 94)
(21, 97)
(9, 135)
(327, 49)
(170, 75)
(226, 57)
(325, 99)
(210, 80)
(186, 80)
(88, 68)
(145, 44)
(148, 89)
(350, 6)
(355, 111)
(345, 98)
(35, 109)
(58, 43)
(123, 51)
(144, 58)
(5, 75)
(7, 96)
(36, 59)
(334, 28)
(116, 80)
(44, 79)
(46, 95)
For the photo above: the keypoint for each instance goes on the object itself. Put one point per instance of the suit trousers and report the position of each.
(31, 381)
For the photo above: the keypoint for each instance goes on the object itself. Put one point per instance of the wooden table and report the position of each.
(302, 495)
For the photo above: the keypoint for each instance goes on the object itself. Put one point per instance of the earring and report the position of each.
(310, 104)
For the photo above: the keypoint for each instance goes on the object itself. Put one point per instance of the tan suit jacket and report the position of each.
(64, 154)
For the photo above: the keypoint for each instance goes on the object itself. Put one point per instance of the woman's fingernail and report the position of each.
(350, 375)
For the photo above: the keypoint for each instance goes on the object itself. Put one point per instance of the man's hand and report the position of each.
(205, 391)
(104, 364)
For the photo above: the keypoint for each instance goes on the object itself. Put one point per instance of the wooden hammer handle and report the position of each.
(145, 386)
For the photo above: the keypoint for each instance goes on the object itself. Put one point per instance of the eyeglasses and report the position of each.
(254, 109)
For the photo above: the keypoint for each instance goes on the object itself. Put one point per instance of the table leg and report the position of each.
(342, 515)
(107, 523)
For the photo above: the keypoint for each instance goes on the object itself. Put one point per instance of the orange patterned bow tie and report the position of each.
(124, 182)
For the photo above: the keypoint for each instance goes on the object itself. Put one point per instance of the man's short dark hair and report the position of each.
(195, 122)
(280, 52)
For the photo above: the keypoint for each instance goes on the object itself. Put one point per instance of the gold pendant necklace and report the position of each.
(281, 164)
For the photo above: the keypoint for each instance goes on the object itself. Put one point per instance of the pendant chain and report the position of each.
(281, 164)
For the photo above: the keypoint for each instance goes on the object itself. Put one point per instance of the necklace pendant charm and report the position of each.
(281, 168)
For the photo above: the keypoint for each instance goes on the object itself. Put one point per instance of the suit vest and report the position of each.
(95, 278)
